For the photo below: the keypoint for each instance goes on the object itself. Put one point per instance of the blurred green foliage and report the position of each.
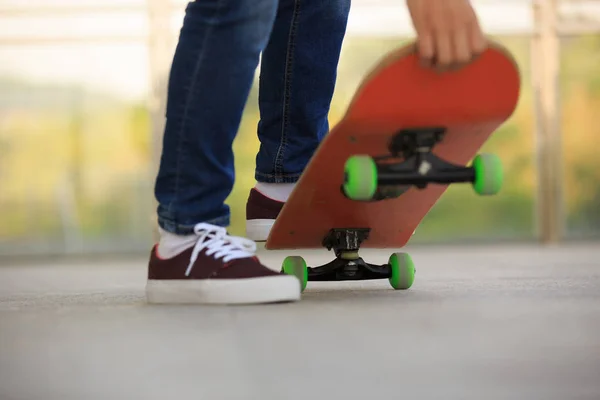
(79, 163)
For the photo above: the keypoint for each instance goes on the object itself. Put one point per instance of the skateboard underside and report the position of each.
(408, 133)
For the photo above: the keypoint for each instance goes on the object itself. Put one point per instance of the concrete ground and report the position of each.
(479, 323)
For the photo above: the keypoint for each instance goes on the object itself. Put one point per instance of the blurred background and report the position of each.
(82, 87)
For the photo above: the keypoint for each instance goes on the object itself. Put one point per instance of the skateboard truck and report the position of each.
(348, 265)
(372, 179)
(420, 166)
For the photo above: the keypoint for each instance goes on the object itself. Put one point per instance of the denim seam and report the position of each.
(289, 64)
(186, 108)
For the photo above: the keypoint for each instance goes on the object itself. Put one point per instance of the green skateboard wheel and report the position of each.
(361, 178)
(488, 174)
(403, 271)
(296, 266)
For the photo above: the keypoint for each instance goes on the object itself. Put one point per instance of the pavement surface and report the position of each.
(480, 323)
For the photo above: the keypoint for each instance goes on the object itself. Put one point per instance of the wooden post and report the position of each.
(545, 52)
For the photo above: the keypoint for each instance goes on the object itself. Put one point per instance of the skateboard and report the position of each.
(408, 133)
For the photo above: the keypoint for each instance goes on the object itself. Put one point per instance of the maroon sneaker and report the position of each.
(261, 212)
(219, 269)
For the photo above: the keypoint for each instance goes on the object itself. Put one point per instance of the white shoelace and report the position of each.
(219, 244)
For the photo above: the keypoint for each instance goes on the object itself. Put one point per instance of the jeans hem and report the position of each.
(276, 178)
(185, 229)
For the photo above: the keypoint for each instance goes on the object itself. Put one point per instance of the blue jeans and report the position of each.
(211, 76)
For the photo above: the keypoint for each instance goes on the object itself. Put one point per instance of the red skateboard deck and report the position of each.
(470, 103)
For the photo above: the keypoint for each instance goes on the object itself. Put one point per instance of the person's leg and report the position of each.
(212, 72)
(297, 80)
(211, 75)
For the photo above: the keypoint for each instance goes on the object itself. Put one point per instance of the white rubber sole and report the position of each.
(272, 289)
(259, 229)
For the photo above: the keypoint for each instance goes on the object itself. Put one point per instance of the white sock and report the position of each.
(171, 244)
(276, 191)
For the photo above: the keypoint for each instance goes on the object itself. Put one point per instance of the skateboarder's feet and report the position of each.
(261, 212)
(214, 268)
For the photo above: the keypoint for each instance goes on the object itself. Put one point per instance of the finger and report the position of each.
(426, 49)
(477, 39)
(462, 48)
(443, 50)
